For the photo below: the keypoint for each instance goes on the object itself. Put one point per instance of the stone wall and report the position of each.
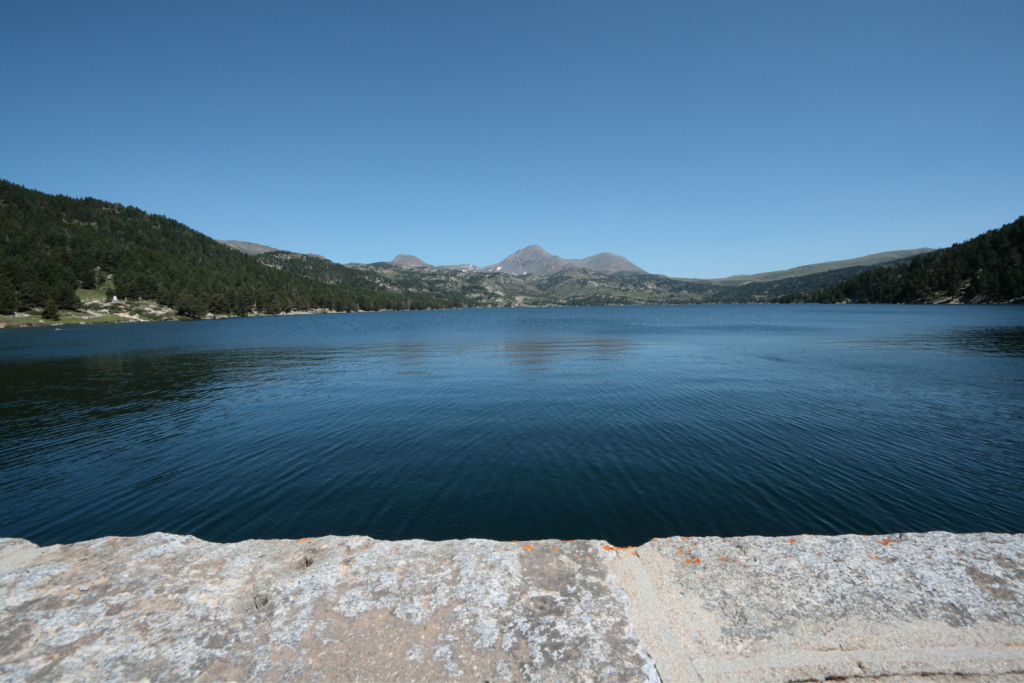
(163, 607)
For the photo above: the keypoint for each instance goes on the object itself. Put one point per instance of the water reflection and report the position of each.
(534, 355)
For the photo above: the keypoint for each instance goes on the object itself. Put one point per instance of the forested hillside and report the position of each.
(986, 269)
(52, 245)
(319, 268)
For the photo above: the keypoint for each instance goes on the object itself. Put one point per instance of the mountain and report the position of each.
(52, 245)
(608, 263)
(869, 260)
(569, 285)
(474, 287)
(986, 269)
(535, 261)
(410, 261)
(250, 248)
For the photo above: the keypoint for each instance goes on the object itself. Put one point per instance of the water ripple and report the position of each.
(615, 423)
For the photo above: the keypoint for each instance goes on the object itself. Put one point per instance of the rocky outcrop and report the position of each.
(164, 607)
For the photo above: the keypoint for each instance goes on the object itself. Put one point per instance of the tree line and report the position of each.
(52, 245)
(986, 269)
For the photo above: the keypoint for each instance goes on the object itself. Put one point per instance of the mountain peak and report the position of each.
(534, 260)
(409, 261)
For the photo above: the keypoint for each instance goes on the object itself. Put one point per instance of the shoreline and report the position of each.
(34, 319)
(905, 607)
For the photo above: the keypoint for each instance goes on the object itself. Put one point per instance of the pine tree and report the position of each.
(67, 298)
(8, 302)
(218, 305)
(191, 306)
(50, 311)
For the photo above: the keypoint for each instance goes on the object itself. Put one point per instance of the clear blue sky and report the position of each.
(698, 140)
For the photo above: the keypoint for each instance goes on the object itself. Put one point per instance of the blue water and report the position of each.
(615, 423)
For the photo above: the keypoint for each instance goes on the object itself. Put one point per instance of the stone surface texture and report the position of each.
(910, 607)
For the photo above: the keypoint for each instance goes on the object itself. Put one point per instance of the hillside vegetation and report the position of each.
(319, 268)
(986, 269)
(51, 245)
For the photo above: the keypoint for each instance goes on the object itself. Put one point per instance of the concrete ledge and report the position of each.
(809, 608)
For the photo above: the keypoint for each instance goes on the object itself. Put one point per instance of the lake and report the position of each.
(616, 423)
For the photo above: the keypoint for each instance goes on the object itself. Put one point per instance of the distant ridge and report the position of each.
(250, 248)
(869, 260)
(533, 260)
(409, 261)
(535, 277)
